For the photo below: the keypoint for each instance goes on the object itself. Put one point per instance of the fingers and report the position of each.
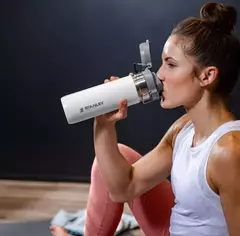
(112, 78)
(122, 111)
(114, 116)
(123, 103)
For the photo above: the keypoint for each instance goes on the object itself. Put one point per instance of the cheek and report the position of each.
(180, 91)
(181, 85)
(175, 82)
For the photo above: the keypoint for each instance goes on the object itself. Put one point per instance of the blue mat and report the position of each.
(74, 223)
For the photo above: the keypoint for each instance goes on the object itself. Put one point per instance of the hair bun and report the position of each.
(222, 17)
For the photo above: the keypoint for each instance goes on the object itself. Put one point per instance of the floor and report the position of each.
(32, 201)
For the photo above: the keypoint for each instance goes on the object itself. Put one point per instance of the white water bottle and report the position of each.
(142, 87)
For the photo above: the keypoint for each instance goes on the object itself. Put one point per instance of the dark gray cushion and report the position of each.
(35, 228)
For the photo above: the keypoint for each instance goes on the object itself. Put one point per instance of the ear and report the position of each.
(208, 76)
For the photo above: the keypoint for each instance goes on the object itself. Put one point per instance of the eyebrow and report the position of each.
(169, 58)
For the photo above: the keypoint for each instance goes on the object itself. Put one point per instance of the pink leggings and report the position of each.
(152, 210)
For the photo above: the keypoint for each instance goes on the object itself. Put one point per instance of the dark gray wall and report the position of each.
(55, 47)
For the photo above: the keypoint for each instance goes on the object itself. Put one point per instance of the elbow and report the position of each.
(122, 195)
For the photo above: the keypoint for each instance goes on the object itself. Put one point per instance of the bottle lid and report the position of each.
(145, 54)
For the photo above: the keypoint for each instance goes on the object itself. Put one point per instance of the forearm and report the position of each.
(113, 167)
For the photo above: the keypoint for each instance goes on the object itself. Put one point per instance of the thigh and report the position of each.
(153, 209)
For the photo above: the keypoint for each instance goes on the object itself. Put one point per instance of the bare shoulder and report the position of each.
(225, 159)
(175, 128)
(227, 148)
(224, 167)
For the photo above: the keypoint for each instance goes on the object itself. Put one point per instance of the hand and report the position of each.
(114, 116)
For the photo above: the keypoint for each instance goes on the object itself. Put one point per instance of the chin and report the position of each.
(166, 104)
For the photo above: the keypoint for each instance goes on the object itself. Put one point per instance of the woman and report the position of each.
(201, 150)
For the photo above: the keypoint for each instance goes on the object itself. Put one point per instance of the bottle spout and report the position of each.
(159, 85)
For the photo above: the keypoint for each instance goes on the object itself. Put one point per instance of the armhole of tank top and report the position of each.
(179, 136)
(222, 133)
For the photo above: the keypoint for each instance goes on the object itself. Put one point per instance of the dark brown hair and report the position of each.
(211, 40)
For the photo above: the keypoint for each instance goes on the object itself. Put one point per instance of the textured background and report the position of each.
(51, 48)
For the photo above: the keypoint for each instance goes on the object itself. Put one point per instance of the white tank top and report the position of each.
(197, 209)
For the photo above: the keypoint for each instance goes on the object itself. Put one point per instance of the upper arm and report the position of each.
(156, 165)
(226, 177)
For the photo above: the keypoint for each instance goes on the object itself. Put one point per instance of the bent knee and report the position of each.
(95, 170)
(129, 154)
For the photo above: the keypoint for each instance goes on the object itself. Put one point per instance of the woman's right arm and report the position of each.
(126, 181)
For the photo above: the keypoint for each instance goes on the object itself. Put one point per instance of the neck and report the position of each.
(207, 115)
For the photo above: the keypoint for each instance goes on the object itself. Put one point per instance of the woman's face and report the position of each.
(181, 87)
